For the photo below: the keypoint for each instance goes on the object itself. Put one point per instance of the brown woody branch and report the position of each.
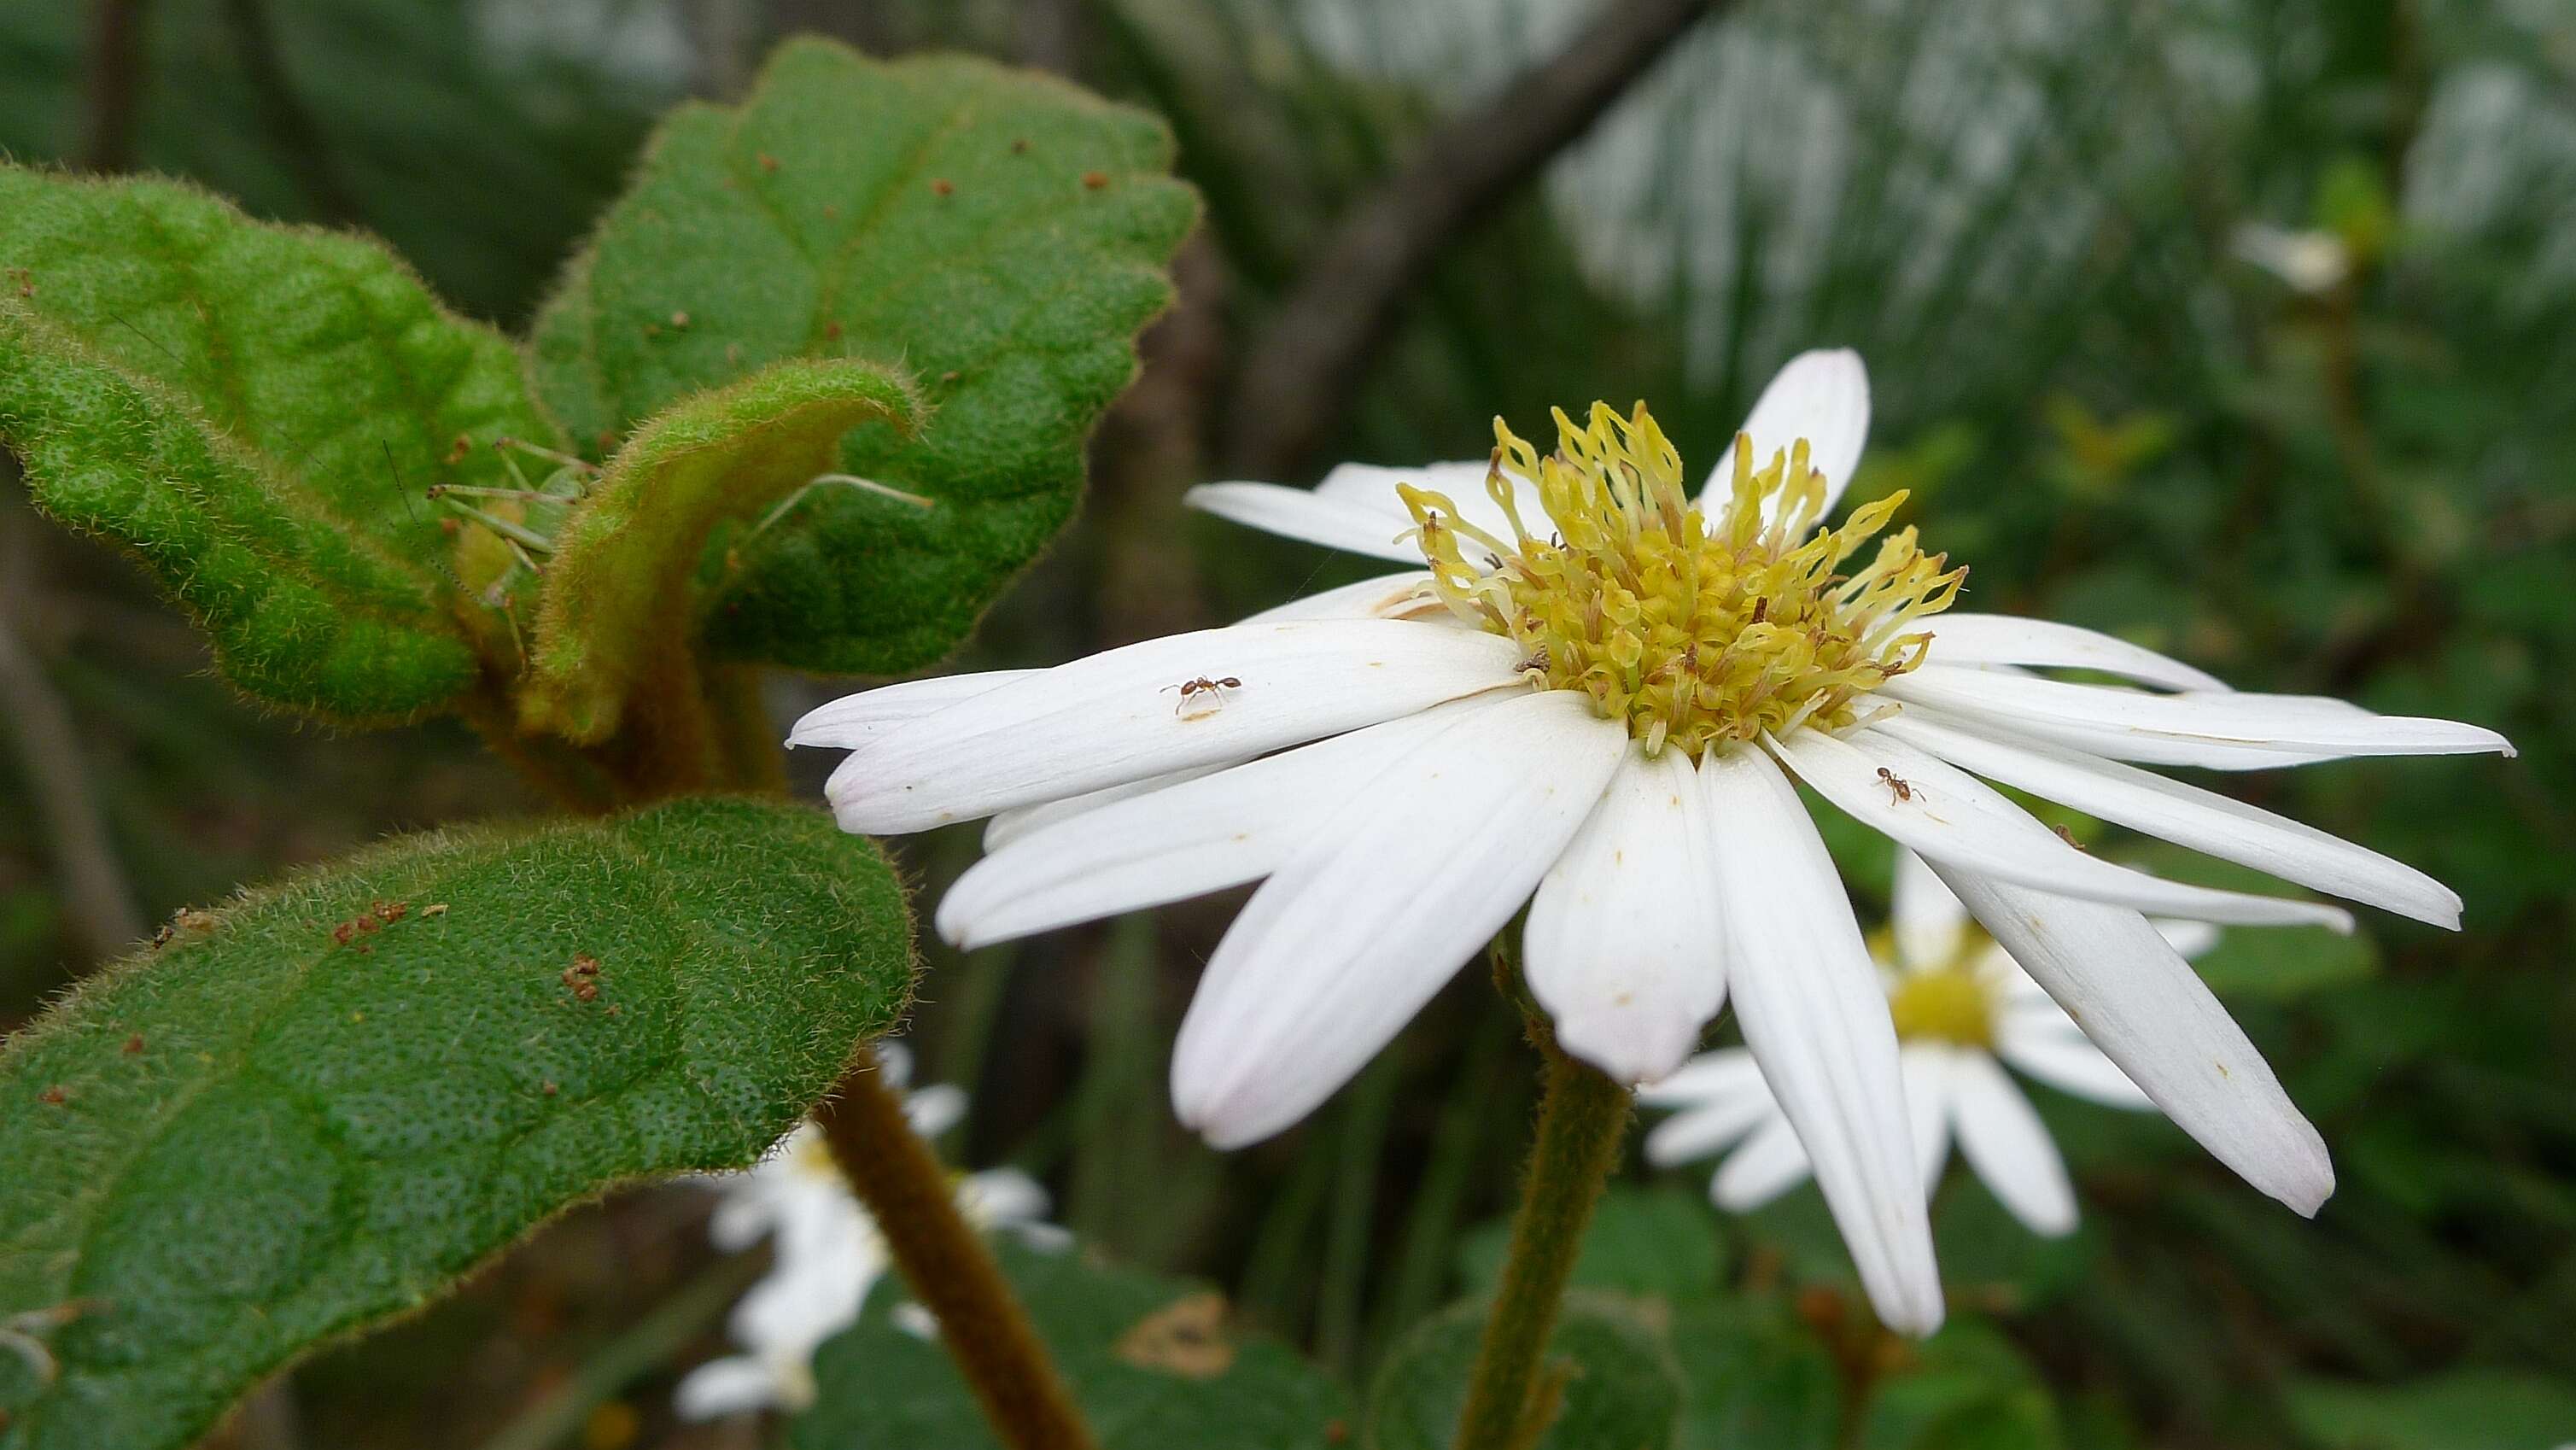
(1301, 373)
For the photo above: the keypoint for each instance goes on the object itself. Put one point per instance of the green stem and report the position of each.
(948, 1265)
(1581, 1118)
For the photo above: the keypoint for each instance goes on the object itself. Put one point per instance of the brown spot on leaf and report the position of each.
(54, 1096)
(134, 1044)
(768, 162)
(1095, 179)
(1185, 1337)
(943, 186)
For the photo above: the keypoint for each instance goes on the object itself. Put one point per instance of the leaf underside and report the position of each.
(322, 1105)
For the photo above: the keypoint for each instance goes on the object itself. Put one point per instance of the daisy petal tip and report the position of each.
(1630, 1053)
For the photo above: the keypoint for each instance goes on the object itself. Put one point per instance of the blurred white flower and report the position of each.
(1593, 702)
(2311, 262)
(1963, 1009)
(828, 1252)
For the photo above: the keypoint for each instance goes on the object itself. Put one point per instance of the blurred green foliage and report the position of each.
(2030, 218)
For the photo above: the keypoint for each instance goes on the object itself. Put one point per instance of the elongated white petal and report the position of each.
(1770, 1163)
(2069, 1062)
(2003, 1139)
(2148, 1011)
(1350, 936)
(1821, 396)
(856, 719)
(1705, 1078)
(1706, 1129)
(935, 1109)
(1388, 596)
(2006, 639)
(2233, 731)
(1002, 1197)
(1187, 839)
(2190, 938)
(734, 1385)
(1297, 513)
(2186, 815)
(1115, 717)
(1621, 946)
(1373, 486)
(1816, 1019)
(1952, 817)
(1925, 918)
(1924, 1067)
(1018, 821)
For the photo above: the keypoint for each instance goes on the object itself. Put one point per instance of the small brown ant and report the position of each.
(1212, 689)
(1898, 787)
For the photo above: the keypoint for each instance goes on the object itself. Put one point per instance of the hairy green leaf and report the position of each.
(286, 382)
(998, 234)
(1618, 1387)
(324, 1103)
(300, 613)
(1151, 1360)
(1753, 1374)
(1658, 1242)
(618, 597)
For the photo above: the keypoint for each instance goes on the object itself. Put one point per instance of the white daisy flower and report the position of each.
(1592, 696)
(828, 1252)
(1963, 1008)
(2311, 262)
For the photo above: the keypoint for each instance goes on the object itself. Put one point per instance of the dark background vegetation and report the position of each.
(2027, 217)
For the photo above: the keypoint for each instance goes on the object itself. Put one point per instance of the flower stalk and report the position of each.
(1582, 1117)
(948, 1265)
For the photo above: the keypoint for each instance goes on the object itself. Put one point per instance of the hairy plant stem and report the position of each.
(1582, 1116)
(947, 1264)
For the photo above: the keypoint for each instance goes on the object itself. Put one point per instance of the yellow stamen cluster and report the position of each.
(1694, 635)
(1951, 1004)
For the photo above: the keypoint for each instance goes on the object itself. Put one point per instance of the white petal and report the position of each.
(1200, 835)
(2005, 639)
(2004, 1141)
(1002, 1197)
(1113, 717)
(1925, 1070)
(733, 1385)
(1821, 396)
(1297, 513)
(1389, 596)
(856, 719)
(2232, 731)
(1952, 817)
(2191, 938)
(2186, 815)
(1621, 945)
(1705, 1129)
(1362, 925)
(894, 1065)
(935, 1109)
(1373, 486)
(1704, 1078)
(2151, 1013)
(1926, 919)
(2069, 1062)
(1770, 1163)
(1816, 1019)
(1010, 825)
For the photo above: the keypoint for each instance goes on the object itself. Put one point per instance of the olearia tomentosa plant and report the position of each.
(813, 393)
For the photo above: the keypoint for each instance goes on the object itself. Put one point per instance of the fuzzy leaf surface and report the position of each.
(619, 596)
(997, 234)
(1619, 1385)
(1152, 1361)
(327, 384)
(326, 1102)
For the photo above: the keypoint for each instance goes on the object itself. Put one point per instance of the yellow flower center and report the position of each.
(1695, 634)
(1949, 1003)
